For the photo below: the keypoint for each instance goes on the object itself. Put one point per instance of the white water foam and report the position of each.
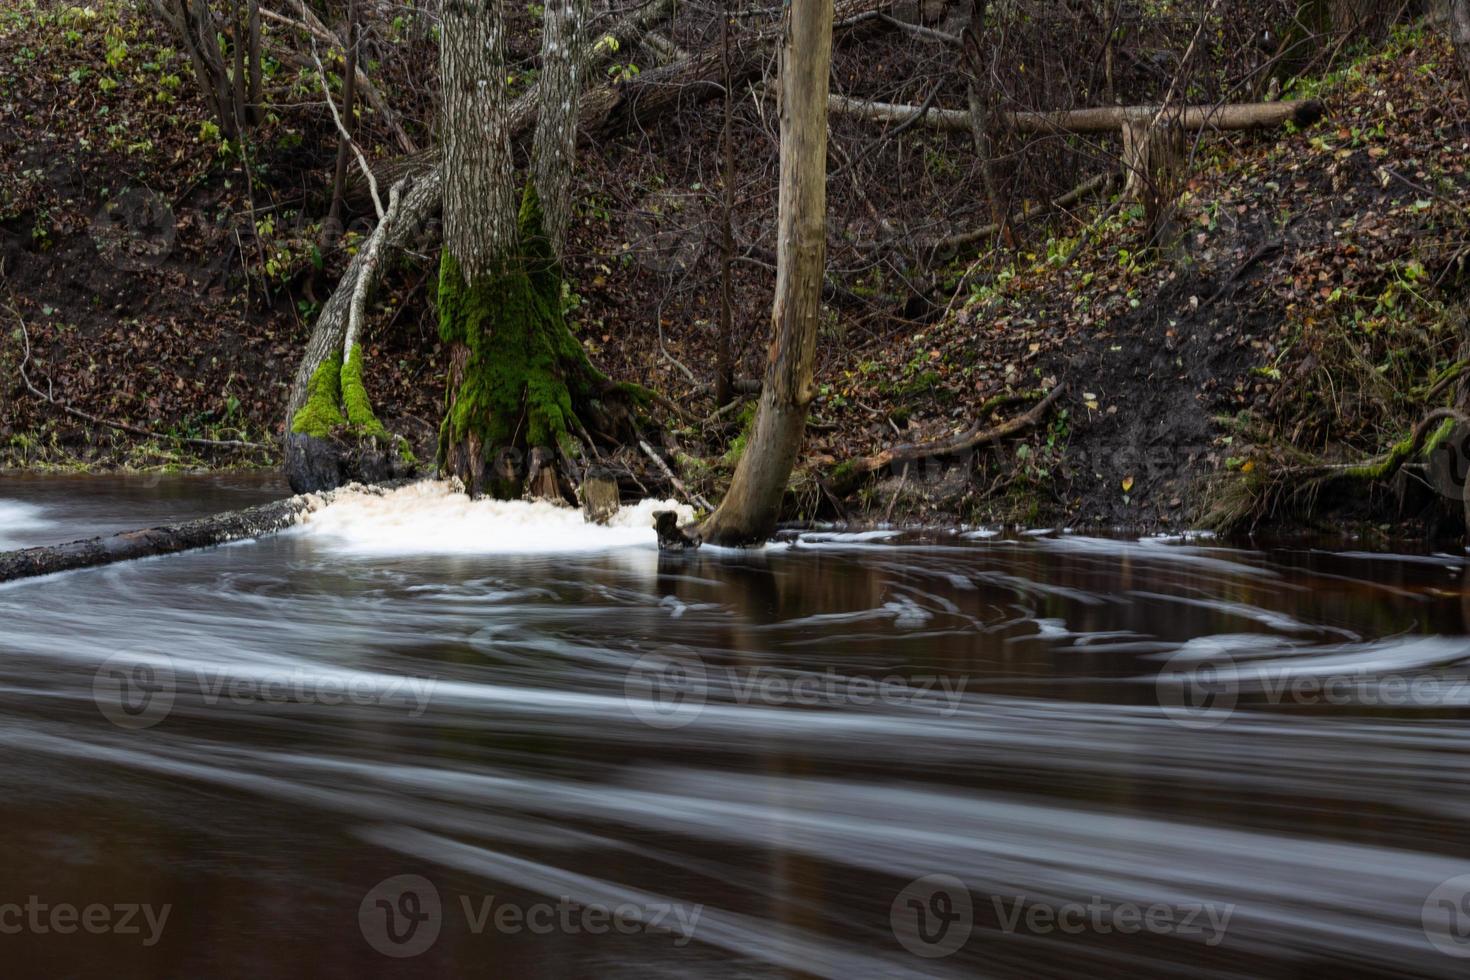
(16, 516)
(432, 518)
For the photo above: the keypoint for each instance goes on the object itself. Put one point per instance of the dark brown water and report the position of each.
(1121, 759)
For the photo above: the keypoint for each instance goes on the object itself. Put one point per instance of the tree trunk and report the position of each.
(1460, 35)
(749, 511)
(349, 123)
(554, 150)
(976, 45)
(256, 92)
(517, 376)
(724, 367)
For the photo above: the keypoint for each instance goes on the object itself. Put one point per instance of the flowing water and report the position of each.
(420, 737)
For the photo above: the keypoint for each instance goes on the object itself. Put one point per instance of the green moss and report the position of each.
(843, 474)
(320, 415)
(355, 397)
(737, 445)
(1440, 435)
(525, 371)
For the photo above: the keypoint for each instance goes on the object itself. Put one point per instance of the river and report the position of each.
(420, 737)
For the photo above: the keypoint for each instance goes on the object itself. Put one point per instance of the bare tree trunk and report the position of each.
(255, 92)
(724, 370)
(479, 171)
(1101, 119)
(975, 46)
(554, 148)
(1460, 35)
(237, 76)
(349, 121)
(749, 511)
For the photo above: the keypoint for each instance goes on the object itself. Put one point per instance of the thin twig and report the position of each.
(673, 477)
(362, 163)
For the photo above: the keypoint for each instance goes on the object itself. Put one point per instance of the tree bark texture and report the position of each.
(749, 511)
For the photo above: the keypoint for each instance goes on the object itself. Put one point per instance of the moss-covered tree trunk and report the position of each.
(518, 382)
(518, 378)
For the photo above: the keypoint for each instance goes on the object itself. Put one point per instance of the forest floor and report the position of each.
(1307, 306)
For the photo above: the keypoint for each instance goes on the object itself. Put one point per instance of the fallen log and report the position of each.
(846, 476)
(166, 539)
(1103, 119)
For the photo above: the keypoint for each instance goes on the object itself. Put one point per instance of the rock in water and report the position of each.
(672, 537)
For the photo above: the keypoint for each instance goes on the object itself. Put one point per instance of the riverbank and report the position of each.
(1306, 309)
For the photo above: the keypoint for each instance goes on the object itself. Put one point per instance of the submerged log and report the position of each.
(165, 539)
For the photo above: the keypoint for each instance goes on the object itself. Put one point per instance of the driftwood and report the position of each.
(848, 475)
(166, 539)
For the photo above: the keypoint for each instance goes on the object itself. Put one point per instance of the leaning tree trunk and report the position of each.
(750, 508)
(518, 379)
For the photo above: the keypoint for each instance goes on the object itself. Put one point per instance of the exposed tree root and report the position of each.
(846, 476)
(1245, 502)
